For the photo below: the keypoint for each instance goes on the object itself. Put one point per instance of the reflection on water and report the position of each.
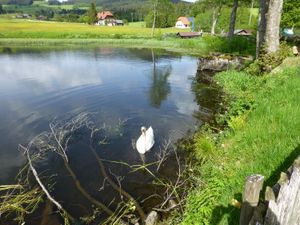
(143, 87)
(160, 86)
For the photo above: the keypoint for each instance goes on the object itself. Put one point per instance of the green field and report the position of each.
(19, 32)
(19, 28)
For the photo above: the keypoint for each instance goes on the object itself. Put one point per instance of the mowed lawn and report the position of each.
(18, 28)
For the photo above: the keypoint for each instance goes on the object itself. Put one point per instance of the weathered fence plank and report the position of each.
(285, 209)
(252, 190)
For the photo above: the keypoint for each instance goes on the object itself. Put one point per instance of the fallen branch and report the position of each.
(115, 186)
(35, 174)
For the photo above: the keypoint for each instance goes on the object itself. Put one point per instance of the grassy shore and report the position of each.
(262, 137)
(21, 33)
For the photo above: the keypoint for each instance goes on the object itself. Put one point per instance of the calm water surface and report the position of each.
(142, 86)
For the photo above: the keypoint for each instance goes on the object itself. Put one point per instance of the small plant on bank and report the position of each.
(267, 62)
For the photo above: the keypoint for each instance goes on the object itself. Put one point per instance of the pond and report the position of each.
(131, 87)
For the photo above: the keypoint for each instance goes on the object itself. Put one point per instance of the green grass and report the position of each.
(18, 28)
(14, 32)
(140, 24)
(263, 140)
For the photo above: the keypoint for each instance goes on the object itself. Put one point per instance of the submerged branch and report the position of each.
(115, 186)
(35, 174)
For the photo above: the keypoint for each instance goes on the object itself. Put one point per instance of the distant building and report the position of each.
(185, 22)
(119, 23)
(105, 18)
(242, 32)
(182, 22)
(41, 17)
(23, 16)
(189, 34)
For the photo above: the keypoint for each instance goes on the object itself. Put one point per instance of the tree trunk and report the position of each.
(260, 35)
(216, 14)
(273, 25)
(250, 16)
(233, 18)
(154, 16)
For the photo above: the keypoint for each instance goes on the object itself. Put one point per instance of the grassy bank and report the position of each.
(14, 33)
(199, 46)
(262, 137)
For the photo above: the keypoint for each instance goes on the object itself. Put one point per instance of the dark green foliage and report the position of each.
(20, 2)
(48, 13)
(165, 15)
(291, 13)
(266, 62)
(91, 13)
(1, 9)
(204, 20)
(54, 2)
(235, 45)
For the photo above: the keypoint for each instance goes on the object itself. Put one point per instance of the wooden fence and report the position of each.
(282, 201)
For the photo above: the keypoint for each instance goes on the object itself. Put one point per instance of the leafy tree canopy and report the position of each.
(291, 13)
(91, 13)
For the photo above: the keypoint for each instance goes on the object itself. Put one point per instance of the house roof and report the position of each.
(189, 34)
(242, 32)
(184, 20)
(103, 15)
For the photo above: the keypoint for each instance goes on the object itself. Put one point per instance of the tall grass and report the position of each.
(263, 137)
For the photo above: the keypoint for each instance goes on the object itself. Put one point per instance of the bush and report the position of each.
(239, 45)
(267, 62)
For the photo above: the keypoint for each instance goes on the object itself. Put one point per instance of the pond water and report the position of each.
(139, 86)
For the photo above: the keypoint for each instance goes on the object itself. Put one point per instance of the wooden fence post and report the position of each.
(252, 190)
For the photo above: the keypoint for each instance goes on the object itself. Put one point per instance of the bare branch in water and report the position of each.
(35, 174)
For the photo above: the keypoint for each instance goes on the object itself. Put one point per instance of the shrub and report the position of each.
(267, 62)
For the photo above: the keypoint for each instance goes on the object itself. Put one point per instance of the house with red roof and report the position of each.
(182, 22)
(105, 18)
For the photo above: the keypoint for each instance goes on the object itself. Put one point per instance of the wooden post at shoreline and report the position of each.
(282, 202)
(284, 210)
(251, 194)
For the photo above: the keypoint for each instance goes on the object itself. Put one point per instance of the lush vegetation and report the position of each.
(20, 32)
(262, 136)
(259, 129)
(291, 13)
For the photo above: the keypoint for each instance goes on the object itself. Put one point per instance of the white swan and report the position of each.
(145, 141)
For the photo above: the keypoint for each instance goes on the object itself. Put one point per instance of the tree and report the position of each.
(1, 9)
(155, 4)
(233, 18)
(92, 14)
(262, 22)
(162, 15)
(273, 26)
(215, 6)
(269, 26)
(291, 13)
(20, 2)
